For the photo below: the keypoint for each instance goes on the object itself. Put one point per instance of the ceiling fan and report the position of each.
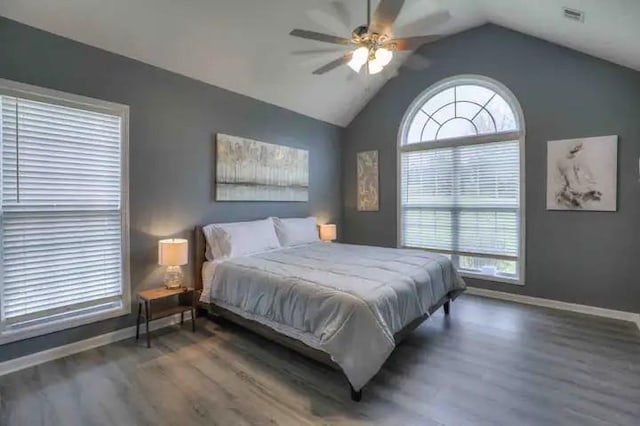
(373, 43)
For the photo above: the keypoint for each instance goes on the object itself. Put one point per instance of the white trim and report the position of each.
(491, 278)
(463, 253)
(512, 100)
(7, 335)
(556, 304)
(467, 140)
(27, 91)
(42, 94)
(30, 360)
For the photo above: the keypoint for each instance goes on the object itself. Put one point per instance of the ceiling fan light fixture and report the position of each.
(358, 58)
(373, 43)
(383, 56)
(355, 66)
(375, 66)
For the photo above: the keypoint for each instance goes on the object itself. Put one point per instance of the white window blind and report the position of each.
(62, 212)
(460, 179)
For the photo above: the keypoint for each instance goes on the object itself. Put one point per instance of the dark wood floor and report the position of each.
(489, 363)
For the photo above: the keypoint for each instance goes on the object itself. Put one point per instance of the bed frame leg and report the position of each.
(355, 395)
(447, 307)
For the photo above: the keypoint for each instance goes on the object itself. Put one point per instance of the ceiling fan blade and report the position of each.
(312, 35)
(424, 24)
(385, 15)
(327, 21)
(333, 64)
(342, 12)
(316, 51)
(333, 17)
(412, 43)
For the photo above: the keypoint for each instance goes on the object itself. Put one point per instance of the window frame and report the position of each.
(519, 135)
(35, 93)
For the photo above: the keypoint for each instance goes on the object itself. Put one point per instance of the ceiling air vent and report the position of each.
(573, 14)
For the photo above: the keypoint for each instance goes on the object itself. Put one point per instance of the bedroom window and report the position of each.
(461, 174)
(64, 230)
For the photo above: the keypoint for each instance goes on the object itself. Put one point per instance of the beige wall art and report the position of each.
(582, 174)
(368, 199)
(248, 170)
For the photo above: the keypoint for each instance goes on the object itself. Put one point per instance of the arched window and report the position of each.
(461, 174)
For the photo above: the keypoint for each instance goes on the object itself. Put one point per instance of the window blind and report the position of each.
(61, 211)
(463, 199)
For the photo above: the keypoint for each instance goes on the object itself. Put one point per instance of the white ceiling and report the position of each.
(244, 46)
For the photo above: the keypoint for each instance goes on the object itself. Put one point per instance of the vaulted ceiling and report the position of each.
(244, 46)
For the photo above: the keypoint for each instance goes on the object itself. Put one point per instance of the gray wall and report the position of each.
(582, 257)
(173, 120)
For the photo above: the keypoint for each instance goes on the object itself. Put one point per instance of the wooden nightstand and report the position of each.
(147, 296)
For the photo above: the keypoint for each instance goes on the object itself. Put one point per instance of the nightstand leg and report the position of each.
(193, 320)
(146, 316)
(138, 321)
(181, 318)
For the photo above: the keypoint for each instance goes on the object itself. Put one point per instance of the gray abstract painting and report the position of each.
(248, 170)
(582, 174)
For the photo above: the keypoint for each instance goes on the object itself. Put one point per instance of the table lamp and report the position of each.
(328, 232)
(173, 253)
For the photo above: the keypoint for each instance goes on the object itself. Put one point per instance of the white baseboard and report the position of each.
(555, 304)
(30, 360)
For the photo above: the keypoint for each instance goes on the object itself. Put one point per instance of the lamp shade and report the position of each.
(173, 252)
(328, 232)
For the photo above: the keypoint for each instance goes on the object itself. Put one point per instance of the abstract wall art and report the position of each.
(368, 197)
(582, 174)
(248, 170)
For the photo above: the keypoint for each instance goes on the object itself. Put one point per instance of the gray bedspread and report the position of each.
(346, 300)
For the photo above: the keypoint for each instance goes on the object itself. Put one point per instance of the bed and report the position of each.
(346, 306)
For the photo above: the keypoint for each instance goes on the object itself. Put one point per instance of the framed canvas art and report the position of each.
(368, 199)
(582, 174)
(248, 170)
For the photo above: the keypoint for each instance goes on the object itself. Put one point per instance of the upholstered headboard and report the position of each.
(199, 247)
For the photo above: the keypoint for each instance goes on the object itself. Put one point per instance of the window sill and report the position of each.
(9, 335)
(494, 278)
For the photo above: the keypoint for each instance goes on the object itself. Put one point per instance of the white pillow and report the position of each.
(292, 232)
(240, 238)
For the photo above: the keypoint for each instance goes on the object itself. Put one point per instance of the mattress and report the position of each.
(345, 300)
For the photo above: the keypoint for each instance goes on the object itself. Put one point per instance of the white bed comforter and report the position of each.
(346, 300)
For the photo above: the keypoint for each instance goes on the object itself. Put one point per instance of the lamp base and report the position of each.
(173, 277)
